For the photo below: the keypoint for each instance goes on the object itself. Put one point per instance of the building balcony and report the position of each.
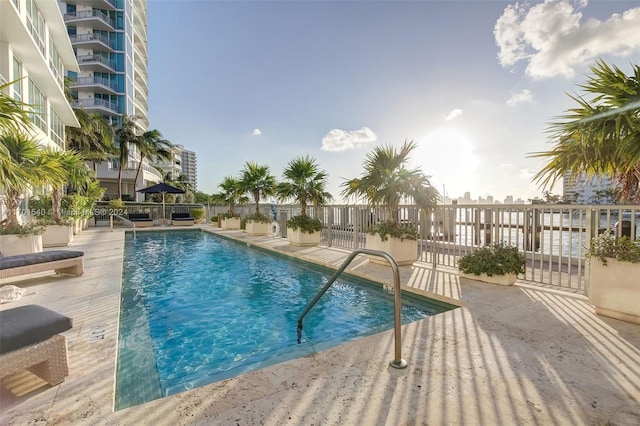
(94, 18)
(94, 41)
(98, 4)
(95, 84)
(96, 63)
(98, 105)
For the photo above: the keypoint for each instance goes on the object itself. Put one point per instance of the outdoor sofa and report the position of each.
(182, 219)
(61, 261)
(140, 220)
(30, 339)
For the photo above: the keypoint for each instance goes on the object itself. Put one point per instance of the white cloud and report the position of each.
(340, 140)
(453, 114)
(523, 96)
(551, 38)
(256, 132)
(526, 174)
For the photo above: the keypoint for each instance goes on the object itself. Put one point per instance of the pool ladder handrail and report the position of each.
(397, 362)
(124, 219)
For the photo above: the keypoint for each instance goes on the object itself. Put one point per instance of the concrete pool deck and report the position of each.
(523, 355)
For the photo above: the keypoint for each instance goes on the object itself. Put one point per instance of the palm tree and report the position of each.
(74, 171)
(232, 193)
(151, 145)
(304, 182)
(257, 180)
(600, 136)
(93, 139)
(126, 136)
(23, 168)
(386, 181)
(13, 113)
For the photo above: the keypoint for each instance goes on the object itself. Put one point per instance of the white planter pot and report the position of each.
(615, 289)
(77, 226)
(57, 235)
(302, 239)
(404, 252)
(507, 279)
(231, 223)
(258, 228)
(10, 245)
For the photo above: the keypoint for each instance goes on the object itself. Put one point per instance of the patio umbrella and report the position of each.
(161, 188)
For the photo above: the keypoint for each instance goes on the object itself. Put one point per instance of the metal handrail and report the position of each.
(397, 362)
(124, 219)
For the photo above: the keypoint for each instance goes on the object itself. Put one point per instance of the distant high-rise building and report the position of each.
(35, 54)
(110, 41)
(190, 166)
(580, 190)
(171, 167)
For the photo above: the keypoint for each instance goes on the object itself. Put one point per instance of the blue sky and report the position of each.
(473, 83)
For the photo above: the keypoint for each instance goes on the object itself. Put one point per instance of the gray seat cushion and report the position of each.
(8, 262)
(26, 325)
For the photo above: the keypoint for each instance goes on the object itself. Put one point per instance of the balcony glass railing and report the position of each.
(97, 103)
(85, 81)
(86, 14)
(83, 38)
(84, 59)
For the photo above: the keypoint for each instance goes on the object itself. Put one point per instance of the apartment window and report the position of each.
(38, 106)
(35, 25)
(55, 63)
(57, 129)
(17, 75)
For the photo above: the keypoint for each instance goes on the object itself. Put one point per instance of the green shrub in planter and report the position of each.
(306, 224)
(214, 219)
(496, 259)
(386, 229)
(623, 249)
(198, 213)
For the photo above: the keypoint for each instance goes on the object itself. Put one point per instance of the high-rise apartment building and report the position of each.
(580, 190)
(109, 38)
(190, 167)
(35, 54)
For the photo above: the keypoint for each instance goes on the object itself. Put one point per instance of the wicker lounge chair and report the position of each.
(140, 220)
(182, 219)
(30, 339)
(62, 261)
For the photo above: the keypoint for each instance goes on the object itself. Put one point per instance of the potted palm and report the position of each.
(22, 166)
(303, 182)
(198, 214)
(385, 182)
(257, 180)
(614, 277)
(231, 195)
(496, 264)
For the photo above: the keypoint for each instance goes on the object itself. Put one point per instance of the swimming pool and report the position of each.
(197, 308)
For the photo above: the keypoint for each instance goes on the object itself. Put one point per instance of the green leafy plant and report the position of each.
(258, 217)
(228, 215)
(496, 259)
(606, 246)
(31, 228)
(198, 213)
(306, 224)
(214, 218)
(386, 229)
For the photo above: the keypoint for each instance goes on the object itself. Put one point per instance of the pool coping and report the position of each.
(526, 355)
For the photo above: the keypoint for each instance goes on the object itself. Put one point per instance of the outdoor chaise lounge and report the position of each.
(61, 261)
(141, 220)
(182, 219)
(30, 339)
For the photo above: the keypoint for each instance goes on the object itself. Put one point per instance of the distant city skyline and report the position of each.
(474, 83)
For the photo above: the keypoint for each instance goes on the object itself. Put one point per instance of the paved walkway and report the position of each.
(521, 355)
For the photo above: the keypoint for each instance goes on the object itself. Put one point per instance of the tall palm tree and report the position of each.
(386, 181)
(258, 181)
(13, 113)
(93, 139)
(232, 193)
(126, 136)
(600, 136)
(304, 182)
(23, 168)
(151, 145)
(74, 171)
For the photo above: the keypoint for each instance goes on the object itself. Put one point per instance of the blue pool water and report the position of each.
(197, 308)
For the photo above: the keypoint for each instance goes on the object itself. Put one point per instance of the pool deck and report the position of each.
(524, 355)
